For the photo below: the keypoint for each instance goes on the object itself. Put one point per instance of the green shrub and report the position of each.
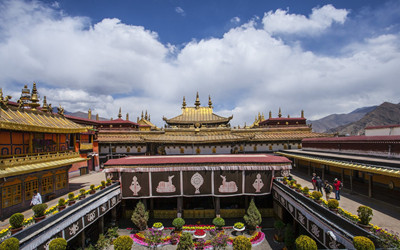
(306, 190)
(103, 183)
(39, 209)
(253, 216)
(178, 223)
(92, 187)
(108, 181)
(316, 195)
(364, 214)
(123, 242)
(82, 191)
(140, 216)
(10, 244)
(241, 243)
(279, 225)
(58, 244)
(71, 196)
(298, 186)
(16, 220)
(185, 242)
(363, 243)
(218, 222)
(61, 202)
(304, 242)
(333, 203)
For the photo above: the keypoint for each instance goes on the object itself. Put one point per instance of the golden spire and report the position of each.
(288, 116)
(209, 101)
(137, 119)
(142, 115)
(270, 114)
(280, 113)
(149, 118)
(89, 114)
(197, 102)
(262, 117)
(302, 113)
(119, 114)
(97, 117)
(184, 103)
(127, 116)
(145, 116)
(4, 101)
(34, 98)
(44, 106)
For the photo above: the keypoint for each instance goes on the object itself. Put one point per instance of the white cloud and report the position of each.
(281, 22)
(179, 10)
(235, 20)
(111, 64)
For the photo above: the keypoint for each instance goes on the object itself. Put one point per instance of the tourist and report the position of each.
(328, 189)
(314, 180)
(319, 184)
(338, 186)
(36, 199)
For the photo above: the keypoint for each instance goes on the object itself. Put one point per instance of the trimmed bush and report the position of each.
(61, 202)
(10, 244)
(103, 183)
(108, 181)
(253, 216)
(92, 187)
(364, 214)
(241, 243)
(304, 242)
(16, 220)
(140, 216)
(298, 186)
(363, 243)
(178, 223)
(316, 195)
(123, 242)
(39, 209)
(71, 196)
(185, 242)
(58, 244)
(333, 203)
(218, 222)
(306, 190)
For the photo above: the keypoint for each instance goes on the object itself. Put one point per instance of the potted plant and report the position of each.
(298, 187)
(218, 223)
(82, 194)
(199, 233)
(123, 242)
(61, 204)
(279, 226)
(219, 241)
(306, 191)
(38, 211)
(185, 242)
(108, 182)
(292, 183)
(252, 217)
(174, 238)
(333, 205)
(71, 199)
(304, 242)
(317, 195)
(103, 185)
(241, 242)
(363, 243)
(239, 226)
(178, 224)
(285, 180)
(58, 244)
(10, 244)
(92, 190)
(158, 226)
(364, 216)
(16, 222)
(140, 216)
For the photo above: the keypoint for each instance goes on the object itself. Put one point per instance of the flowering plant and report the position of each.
(238, 225)
(199, 232)
(157, 225)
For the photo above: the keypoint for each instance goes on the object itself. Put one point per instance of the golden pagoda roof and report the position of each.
(200, 115)
(36, 121)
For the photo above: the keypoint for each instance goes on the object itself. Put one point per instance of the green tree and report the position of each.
(185, 242)
(253, 216)
(140, 216)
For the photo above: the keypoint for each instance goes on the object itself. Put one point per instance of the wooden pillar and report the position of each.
(370, 185)
(217, 206)
(101, 225)
(30, 143)
(351, 180)
(74, 136)
(246, 202)
(82, 239)
(57, 142)
(123, 207)
(179, 206)
(342, 176)
(151, 204)
(114, 216)
(323, 172)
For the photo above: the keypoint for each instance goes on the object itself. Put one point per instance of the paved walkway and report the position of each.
(385, 215)
(75, 184)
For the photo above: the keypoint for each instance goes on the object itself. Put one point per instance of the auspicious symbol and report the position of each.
(166, 187)
(73, 229)
(282, 200)
(276, 195)
(91, 216)
(315, 230)
(113, 201)
(301, 218)
(285, 173)
(227, 187)
(258, 183)
(290, 208)
(135, 187)
(197, 180)
(332, 241)
(104, 207)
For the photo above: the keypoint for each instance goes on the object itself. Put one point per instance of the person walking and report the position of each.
(36, 199)
(338, 185)
(328, 190)
(314, 180)
(319, 184)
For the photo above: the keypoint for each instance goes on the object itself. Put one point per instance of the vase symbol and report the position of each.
(135, 187)
(258, 183)
(197, 180)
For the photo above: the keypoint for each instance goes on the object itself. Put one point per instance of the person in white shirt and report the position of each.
(36, 199)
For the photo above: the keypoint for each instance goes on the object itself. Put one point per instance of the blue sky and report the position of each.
(250, 56)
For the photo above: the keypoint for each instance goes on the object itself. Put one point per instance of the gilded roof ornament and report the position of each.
(25, 97)
(119, 113)
(127, 116)
(4, 100)
(280, 113)
(97, 117)
(90, 114)
(149, 117)
(34, 98)
(302, 113)
(209, 102)
(45, 107)
(145, 116)
(270, 114)
(142, 115)
(60, 110)
(184, 103)
(197, 102)
(49, 108)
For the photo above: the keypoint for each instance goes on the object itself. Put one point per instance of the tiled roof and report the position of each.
(202, 115)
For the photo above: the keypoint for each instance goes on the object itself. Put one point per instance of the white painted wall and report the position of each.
(382, 131)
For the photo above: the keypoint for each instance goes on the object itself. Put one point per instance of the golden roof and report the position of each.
(201, 115)
(37, 121)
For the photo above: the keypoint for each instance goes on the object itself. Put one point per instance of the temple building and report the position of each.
(37, 150)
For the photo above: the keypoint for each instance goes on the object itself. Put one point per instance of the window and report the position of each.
(11, 195)
(47, 184)
(61, 181)
(30, 186)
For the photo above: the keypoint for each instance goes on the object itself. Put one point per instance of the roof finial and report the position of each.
(142, 115)
(302, 113)
(270, 114)
(209, 101)
(197, 102)
(149, 118)
(97, 117)
(145, 116)
(280, 113)
(89, 114)
(184, 103)
(34, 98)
(44, 106)
(119, 114)
(127, 116)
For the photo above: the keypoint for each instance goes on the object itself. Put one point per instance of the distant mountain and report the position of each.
(335, 120)
(385, 114)
(84, 115)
